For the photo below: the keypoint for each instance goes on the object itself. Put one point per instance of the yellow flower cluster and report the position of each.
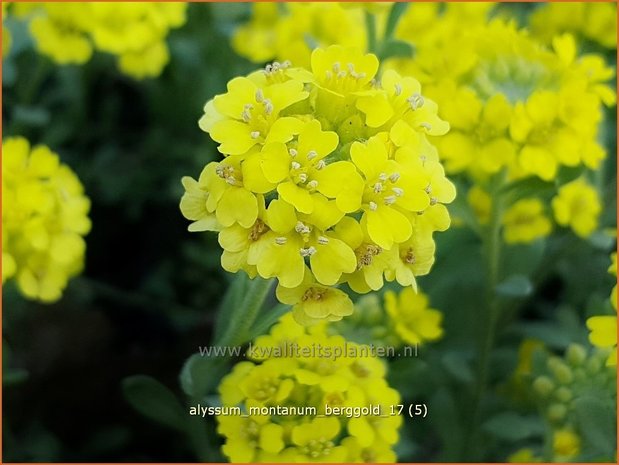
(288, 400)
(594, 21)
(44, 219)
(328, 177)
(290, 31)
(133, 31)
(514, 104)
(403, 318)
(604, 328)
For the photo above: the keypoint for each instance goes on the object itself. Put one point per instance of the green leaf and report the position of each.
(232, 299)
(515, 286)
(396, 12)
(396, 48)
(155, 401)
(510, 426)
(596, 421)
(265, 322)
(457, 364)
(200, 375)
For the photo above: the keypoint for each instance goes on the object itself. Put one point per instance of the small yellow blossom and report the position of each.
(414, 322)
(566, 444)
(578, 206)
(481, 203)
(524, 455)
(525, 222)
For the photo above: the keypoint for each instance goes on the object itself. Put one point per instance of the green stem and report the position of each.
(370, 25)
(492, 254)
(242, 317)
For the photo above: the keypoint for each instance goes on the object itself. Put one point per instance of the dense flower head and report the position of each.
(513, 103)
(276, 390)
(593, 21)
(44, 220)
(328, 177)
(134, 32)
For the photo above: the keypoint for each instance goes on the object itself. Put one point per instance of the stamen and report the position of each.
(302, 228)
(398, 90)
(394, 177)
(378, 187)
(311, 154)
(280, 240)
(415, 101)
(292, 152)
(433, 200)
(323, 240)
(259, 96)
(382, 177)
(303, 177)
(425, 125)
(320, 165)
(268, 106)
(390, 199)
(397, 191)
(336, 67)
(313, 184)
(255, 134)
(307, 252)
(373, 206)
(295, 165)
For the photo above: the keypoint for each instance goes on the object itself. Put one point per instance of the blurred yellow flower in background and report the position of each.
(413, 320)
(525, 221)
(578, 206)
(44, 219)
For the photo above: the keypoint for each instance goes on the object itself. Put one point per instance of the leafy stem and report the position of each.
(491, 241)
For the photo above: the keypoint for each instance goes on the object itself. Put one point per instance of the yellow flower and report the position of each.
(389, 189)
(313, 302)
(594, 21)
(525, 222)
(55, 37)
(414, 322)
(566, 444)
(323, 376)
(604, 334)
(578, 206)
(44, 219)
(287, 31)
(245, 115)
(314, 441)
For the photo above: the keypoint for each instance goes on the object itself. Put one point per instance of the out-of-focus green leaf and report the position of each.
(510, 426)
(597, 424)
(155, 401)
